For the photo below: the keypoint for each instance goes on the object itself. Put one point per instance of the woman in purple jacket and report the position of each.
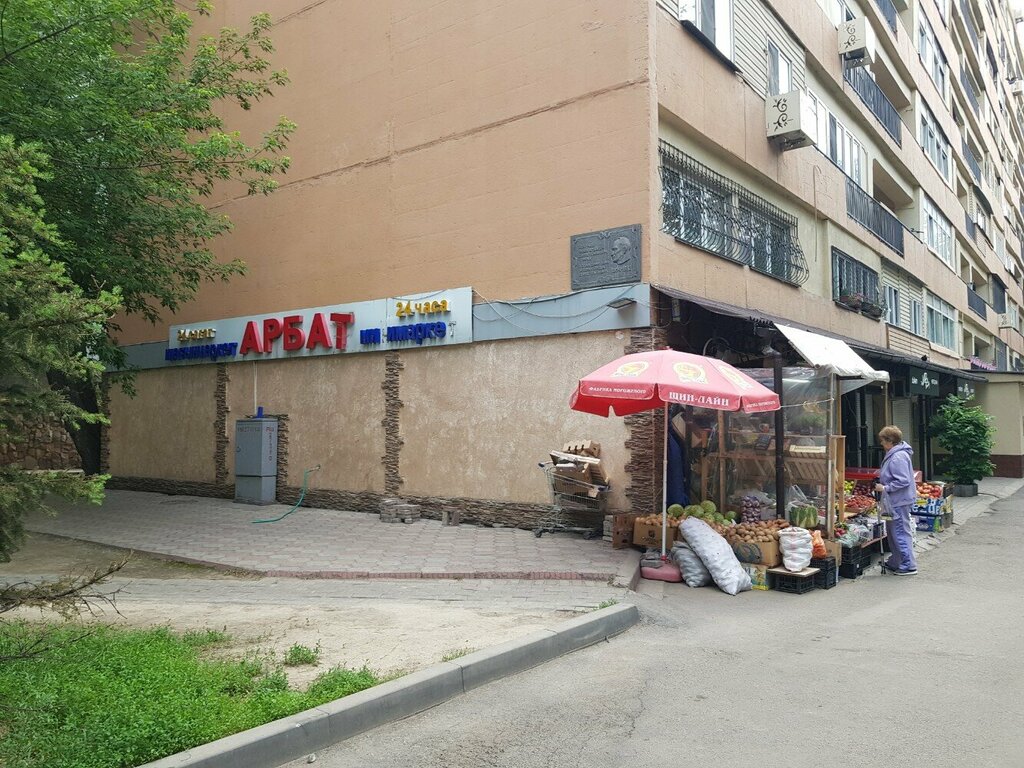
(896, 481)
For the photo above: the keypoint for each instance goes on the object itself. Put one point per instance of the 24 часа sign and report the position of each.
(420, 320)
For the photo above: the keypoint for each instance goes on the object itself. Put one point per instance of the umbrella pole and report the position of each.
(664, 487)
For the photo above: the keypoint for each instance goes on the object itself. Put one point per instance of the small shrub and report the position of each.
(200, 638)
(300, 655)
(458, 653)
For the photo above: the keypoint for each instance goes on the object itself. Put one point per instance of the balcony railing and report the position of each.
(972, 228)
(972, 162)
(889, 12)
(876, 101)
(863, 208)
(976, 304)
(971, 95)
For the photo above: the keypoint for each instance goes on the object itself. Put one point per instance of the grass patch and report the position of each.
(458, 653)
(201, 638)
(120, 698)
(606, 604)
(300, 655)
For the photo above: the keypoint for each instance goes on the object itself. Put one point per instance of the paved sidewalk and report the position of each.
(318, 543)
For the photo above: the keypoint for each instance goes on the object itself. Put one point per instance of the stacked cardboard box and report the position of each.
(579, 463)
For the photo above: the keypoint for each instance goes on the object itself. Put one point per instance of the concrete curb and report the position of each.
(605, 576)
(273, 744)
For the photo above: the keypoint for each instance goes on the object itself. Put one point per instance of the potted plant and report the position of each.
(871, 309)
(965, 433)
(851, 300)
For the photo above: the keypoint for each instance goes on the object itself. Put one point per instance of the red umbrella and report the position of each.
(647, 380)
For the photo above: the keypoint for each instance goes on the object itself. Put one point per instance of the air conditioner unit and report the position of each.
(1017, 86)
(857, 42)
(789, 120)
(1004, 320)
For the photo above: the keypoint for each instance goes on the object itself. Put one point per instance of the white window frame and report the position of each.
(916, 314)
(941, 322)
(892, 303)
(932, 58)
(938, 232)
(780, 71)
(935, 144)
(851, 154)
(719, 13)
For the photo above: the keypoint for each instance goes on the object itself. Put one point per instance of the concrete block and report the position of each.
(493, 663)
(391, 701)
(265, 746)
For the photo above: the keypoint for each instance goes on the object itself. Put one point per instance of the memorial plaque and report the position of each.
(608, 257)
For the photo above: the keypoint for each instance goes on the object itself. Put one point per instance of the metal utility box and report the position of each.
(256, 461)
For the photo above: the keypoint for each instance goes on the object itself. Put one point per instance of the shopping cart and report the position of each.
(571, 494)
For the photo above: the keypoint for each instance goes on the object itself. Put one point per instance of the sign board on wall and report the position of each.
(608, 257)
(923, 382)
(438, 318)
(965, 389)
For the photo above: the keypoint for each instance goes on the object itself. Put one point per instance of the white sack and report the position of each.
(796, 548)
(715, 552)
(695, 573)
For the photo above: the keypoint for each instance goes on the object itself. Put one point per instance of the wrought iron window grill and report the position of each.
(856, 286)
(702, 208)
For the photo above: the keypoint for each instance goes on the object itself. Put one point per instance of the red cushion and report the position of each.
(668, 571)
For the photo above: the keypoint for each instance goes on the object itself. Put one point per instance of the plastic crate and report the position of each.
(828, 576)
(795, 585)
(855, 555)
(851, 570)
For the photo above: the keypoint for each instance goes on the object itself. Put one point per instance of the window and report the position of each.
(709, 211)
(839, 144)
(851, 279)
(941, 323)
(935, 143)
(838, 11)
(931, 56)
(892, 302)
(943, 6)
(915, 317)
(714, 20)
(938, 232)
(780, 71)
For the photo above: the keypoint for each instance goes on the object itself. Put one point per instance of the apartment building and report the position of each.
(489, 200)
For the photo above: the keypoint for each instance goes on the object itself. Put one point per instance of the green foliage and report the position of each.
(299, 655)
(458, 653)
(48, 324)
(121, 698)
(201, 638)
(130, 106)
(965, 432)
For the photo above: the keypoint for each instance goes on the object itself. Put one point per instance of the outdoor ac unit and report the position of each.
(1017, 86)
(857, 42)
(1004, 320)
(789, 120)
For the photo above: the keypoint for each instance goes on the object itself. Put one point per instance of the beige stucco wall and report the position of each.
(439, 145)
(477, 419)
(167, 429)
(1003, 399)
(334, 405)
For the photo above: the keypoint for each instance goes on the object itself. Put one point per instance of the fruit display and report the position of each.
(763, 531)
(859, 504)
(929, 490)
(706, 511)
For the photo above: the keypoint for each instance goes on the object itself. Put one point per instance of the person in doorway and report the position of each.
(896, 482)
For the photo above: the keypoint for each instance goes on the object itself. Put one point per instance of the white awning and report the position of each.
(834, 356)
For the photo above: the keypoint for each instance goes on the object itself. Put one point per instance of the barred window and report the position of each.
(709, 211)
(853, 280)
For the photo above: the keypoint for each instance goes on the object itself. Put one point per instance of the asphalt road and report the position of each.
(902, 671)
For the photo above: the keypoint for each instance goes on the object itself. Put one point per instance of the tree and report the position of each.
(130, 108)
(965, 432)
(48, 324)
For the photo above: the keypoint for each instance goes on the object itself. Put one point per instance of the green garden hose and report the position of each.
(305, 482)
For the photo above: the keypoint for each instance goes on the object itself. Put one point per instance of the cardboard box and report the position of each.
(583, 448)
(758, 575)
(835, 549)
(646, 535)
(619, 529)
(598, 475)
(571, 478)
(771, 554)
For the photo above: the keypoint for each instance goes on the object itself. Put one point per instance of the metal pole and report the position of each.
(664, 487)
(780, 435)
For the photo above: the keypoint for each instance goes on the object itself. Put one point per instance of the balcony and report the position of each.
(863, 208)
(972, 228)
(976, 304)
(888, 10)
(972, 30)
(972, 162)
(876, 101)
(855, 286)
(972, 96)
